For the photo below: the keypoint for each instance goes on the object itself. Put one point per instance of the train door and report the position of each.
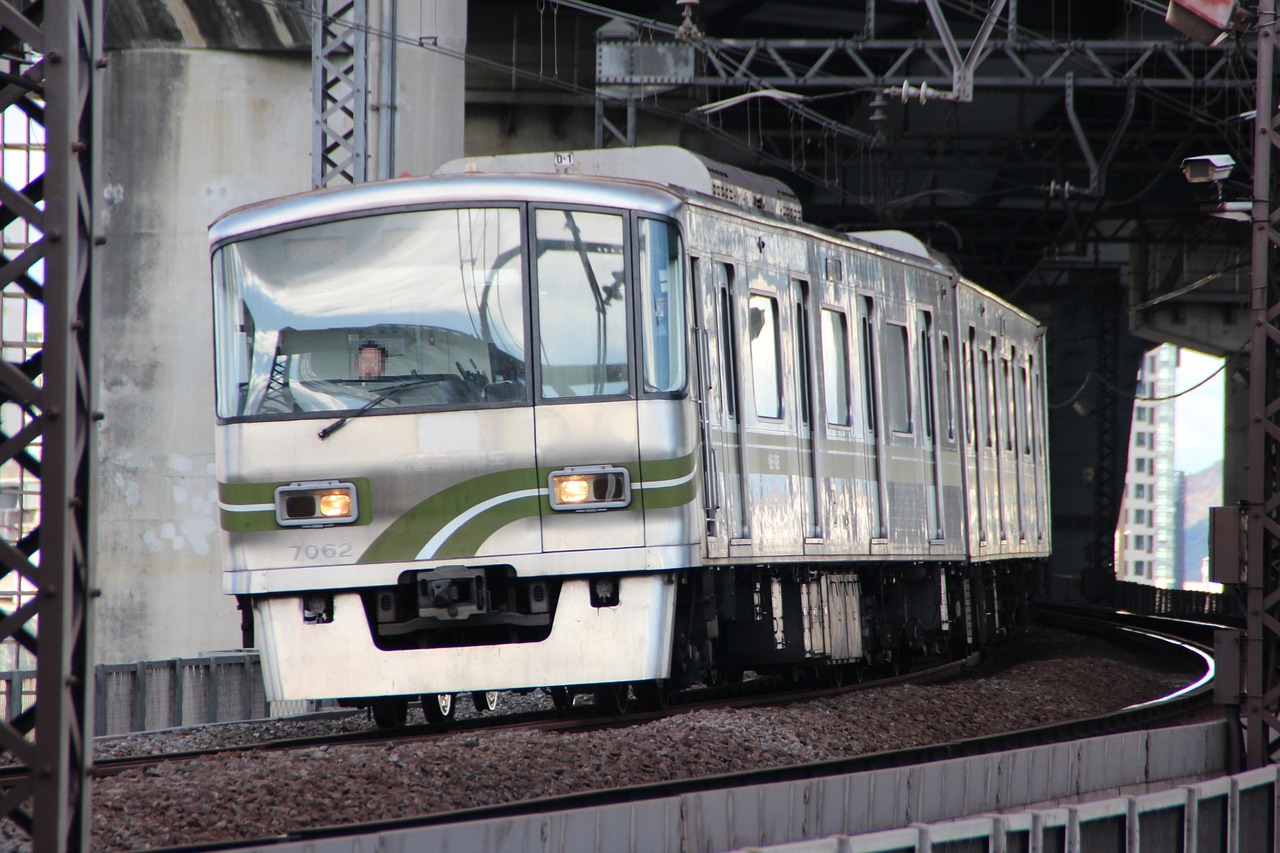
(1000, 429)
(928, 383)
(1035, 437)
(585, 412)
(979, 400)
(706, 390)
(726, 410)
(806, 426)
(1019, 425)
(717, 405)
(869, 376)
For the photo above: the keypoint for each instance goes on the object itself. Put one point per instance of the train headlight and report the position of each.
(316, 503)
(336, 505)
(573, 489)
(588, 488)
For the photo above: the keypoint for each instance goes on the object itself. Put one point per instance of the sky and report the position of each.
(1197, 417)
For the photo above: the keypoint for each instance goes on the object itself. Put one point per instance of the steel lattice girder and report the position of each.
(339, 92)
(885, 63)
(48, 398)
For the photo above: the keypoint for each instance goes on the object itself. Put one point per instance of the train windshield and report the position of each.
(332, 316)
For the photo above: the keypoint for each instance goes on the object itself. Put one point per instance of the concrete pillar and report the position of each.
(193, 128)
(189, 134)
(417, 85)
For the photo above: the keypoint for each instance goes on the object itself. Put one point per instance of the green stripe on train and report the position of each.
(405, 537)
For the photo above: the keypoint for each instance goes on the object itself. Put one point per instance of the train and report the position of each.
(610, 422)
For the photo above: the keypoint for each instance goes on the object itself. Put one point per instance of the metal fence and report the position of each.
(151, 695)
(1178, 603)
(1233, 814)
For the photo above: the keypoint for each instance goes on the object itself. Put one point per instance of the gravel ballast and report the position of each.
(257, 794)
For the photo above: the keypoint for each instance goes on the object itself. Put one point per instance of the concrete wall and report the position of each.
(191, 131)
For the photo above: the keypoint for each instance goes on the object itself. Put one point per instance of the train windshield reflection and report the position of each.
(328, 317)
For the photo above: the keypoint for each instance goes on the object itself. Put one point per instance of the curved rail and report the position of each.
(1144, 715)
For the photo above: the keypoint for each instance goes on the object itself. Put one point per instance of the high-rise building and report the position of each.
(1145, 535)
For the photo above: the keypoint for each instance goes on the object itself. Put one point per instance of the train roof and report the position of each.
(668, 165)
(400, 193)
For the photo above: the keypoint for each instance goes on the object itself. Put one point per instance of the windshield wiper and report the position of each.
(382, 396)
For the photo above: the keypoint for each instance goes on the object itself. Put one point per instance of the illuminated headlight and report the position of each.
(313, 504)
(589, 488)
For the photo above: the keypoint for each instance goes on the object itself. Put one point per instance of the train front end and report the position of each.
(456, 450)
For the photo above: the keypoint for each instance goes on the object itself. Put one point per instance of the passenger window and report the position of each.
(728, 338)
(662, 297)
(948, 393)
(986, 401)
(582, 316)
(835, 367)
(766, 374)
(924, 329)
(1027, 415)
(897, 371)
(1006, 392)
(868, 372)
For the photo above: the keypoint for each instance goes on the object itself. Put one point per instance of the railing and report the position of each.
(1225, 814)
(151, 695)
(1179, 603)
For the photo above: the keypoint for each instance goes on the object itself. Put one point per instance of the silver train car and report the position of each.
(549, 421)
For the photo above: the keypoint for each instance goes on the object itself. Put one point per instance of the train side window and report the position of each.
(662, 296)
(925, 368)
(766, 374)
(582, 316)
(868, 367)
(803, 350)
(948, 392)
(897, 365)
(986, 404)
(835, 366)
(1006, 394)
(1027, 416)
(728, 338)
(971, 398)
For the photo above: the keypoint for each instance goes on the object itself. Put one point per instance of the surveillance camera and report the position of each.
(1208, 169)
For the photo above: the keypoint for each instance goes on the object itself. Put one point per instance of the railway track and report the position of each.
(758, 691)
(482, 731)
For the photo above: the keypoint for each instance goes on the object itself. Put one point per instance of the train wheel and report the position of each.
(561, 697)
(485, 700)
(437, 707)
(653, 695)
(390, 713)
(613, 699)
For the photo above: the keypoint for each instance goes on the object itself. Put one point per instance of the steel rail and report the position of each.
(1137, 717)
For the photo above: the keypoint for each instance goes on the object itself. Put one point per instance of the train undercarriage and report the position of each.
(824, 625)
